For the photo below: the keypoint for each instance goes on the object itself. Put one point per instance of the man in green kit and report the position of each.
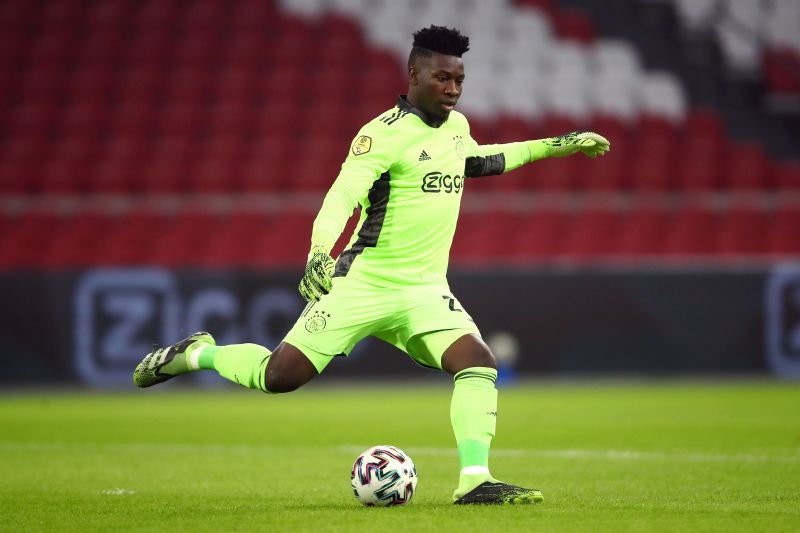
(407, 169)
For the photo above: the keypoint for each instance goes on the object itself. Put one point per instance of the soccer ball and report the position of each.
(383, 476)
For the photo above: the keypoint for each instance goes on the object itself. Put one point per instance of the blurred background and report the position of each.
(162, 161)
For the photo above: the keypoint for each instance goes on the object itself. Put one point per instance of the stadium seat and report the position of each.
(24, 245)
(742, 232)
(786, 176)
(484, 237)
(176, 243)
(232, 242)
(540, 236)
(746, 167)
(574, 25)
(132, 240)
(75, 242)
(287, 242)
(692, 233)
(698, 172)
(783, 233)
(642, 234)
(590, 233)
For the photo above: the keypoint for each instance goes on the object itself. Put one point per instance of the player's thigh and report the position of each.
(434, 322)
(288, 369)
(429, 349)
(468, 351)
(334, 325)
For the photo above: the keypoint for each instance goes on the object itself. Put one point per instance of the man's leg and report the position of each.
(284, 370)
(250, 365)
(473, 414)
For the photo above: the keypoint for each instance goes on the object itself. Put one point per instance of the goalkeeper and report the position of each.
(407, 169)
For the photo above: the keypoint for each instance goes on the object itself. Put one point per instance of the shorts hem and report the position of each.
(317, 358)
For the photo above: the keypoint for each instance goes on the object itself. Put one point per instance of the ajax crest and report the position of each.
(460, 149)
(317, 321)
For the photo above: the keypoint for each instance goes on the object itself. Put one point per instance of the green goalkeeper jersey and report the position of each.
(408, 174)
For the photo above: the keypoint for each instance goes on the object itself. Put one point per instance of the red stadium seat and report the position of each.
(651, 165)
(84, 120)
(574, 25)
(119, 168)
(554, 174)
(780, 70)
(692, 232)
(613, 129)
(540, 234)
(786, 175)
(232, 243)
(132, 241)
(286, 242)
(41, 84)
(642, 233)
(698, 173)
(704, 125)
(176, 244)
(590, 233)
(139, 83)
(742, 231)
(75, 244)
(188, 86)
(33, 121)
(181, 120)
(746, 167)
(656, 130)
(25, 243)
(783, 234)
(134, 121)
(484, 238)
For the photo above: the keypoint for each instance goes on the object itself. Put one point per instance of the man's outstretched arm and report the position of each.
(371, 154)
(493, 159)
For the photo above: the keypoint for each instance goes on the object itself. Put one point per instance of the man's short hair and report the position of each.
(448, 41)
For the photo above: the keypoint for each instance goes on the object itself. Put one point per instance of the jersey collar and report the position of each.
(405, 105)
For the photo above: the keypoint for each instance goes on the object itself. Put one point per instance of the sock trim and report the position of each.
(474, 470)
(489, 374)
(194, 357)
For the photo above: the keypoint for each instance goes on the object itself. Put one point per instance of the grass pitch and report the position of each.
(609, 457)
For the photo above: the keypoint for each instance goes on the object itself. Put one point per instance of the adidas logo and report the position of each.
(424, 156)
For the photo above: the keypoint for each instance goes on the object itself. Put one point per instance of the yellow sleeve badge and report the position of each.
(362, 145)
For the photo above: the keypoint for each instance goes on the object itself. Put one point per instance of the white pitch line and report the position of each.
(117, 492)
(627, 455)
(571, 454)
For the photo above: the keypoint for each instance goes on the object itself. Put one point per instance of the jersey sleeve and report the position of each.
(494, 159)
(371, 154)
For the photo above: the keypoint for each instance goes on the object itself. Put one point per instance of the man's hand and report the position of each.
(319, 271)
(586, 142)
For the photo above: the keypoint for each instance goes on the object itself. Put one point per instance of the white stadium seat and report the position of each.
(661, 94)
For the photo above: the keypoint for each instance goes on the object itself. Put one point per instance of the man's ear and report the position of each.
(413, 75)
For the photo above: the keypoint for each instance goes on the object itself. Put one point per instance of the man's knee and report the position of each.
(287, 370)
(467, 352)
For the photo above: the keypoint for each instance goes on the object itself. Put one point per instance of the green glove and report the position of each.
(586, 142)
(319, 271)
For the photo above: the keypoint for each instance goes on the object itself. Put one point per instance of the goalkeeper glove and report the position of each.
(316, 281)
(586, 142)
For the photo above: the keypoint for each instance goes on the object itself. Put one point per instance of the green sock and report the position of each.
(244, 364)
(473, 413)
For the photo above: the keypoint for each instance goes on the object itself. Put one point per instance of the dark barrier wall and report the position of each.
(92, 327)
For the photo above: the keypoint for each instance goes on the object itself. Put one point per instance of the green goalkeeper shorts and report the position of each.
(422, 321)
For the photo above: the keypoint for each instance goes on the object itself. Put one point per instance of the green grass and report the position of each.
(609, 457)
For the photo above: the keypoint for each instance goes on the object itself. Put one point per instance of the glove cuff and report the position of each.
(317, 249)
(539, 149)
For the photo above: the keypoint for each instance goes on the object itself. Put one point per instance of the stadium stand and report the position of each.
(120, 118)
